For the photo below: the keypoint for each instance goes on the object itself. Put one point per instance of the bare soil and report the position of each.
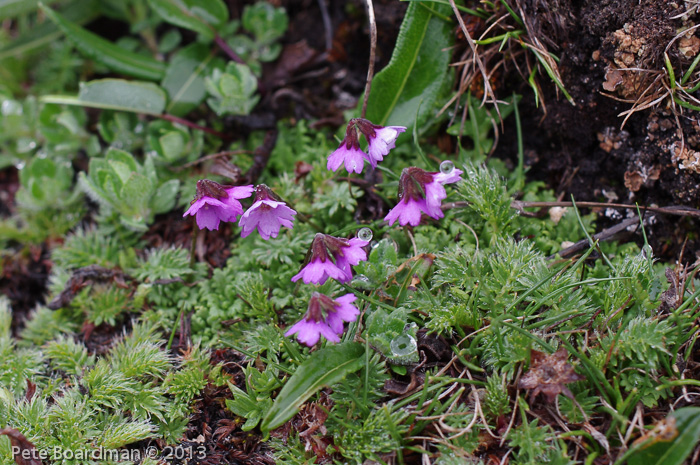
(611, 50)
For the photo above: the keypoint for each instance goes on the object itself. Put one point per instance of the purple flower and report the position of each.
(324, 317)
(214, 203)
(348, 153)
(380, 140)
(331, 257)
(268, 213)
(420, 192)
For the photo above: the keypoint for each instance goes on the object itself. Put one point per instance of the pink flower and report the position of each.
(380, 140)
(324, 317)
(268, 213)
(420, 192)
(214, 203)
(331, 257)
(348, 153)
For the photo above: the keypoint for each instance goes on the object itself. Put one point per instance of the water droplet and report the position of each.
(447, 167)
(365, 234)
(403, 345)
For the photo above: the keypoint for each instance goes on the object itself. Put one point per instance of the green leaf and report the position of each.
(416, 73)
(198, 16)
(116, 94)
(123, 157)
(107, 53)
(323, 368)
(265, 22)
(672, 452)
(184, 80)
(78, 12)
(164, 198)
(233, 90)
(135, 195)
(10, 8)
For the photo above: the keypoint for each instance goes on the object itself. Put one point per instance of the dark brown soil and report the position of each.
(584, 150)
(23, 278)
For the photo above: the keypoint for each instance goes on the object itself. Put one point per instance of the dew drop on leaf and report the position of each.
(403, 345)
(365, 234)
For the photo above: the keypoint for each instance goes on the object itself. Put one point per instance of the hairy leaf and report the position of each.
(409, 85)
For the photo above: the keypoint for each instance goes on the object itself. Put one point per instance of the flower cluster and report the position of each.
(380, 140)
(420, 192)
(214, 203)
(328, 257)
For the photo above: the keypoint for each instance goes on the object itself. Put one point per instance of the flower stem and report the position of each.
(193, 247)
(366, 298)
(372, 52)
(190, 124)
(226, 49)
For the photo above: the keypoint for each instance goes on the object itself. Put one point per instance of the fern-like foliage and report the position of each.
(87, 247)
(163, 264)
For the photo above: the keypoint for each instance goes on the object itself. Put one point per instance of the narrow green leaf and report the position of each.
(10, 8)
(675, 451)
(323, 368)
(201, 17)
(418, 70)
(115, 94)
(78, 12)
(107, 53)
(184, 78)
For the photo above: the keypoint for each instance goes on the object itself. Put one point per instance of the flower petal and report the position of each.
(407, 212)
(353, 158)
(454, 176)
(208, 217)
(240, 192)
(383, 141)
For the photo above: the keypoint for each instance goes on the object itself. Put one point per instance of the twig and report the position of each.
(212, 156)
(601, 236)
(261, 156)
(227, 50)
(327, 28)
(190, 124)
(372, 52)
(678, 210)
